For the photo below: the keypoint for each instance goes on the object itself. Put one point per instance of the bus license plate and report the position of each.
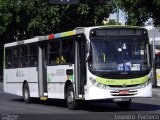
(123, 92)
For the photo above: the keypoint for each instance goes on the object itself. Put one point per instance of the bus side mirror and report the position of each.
(87, 58)
(88, 50)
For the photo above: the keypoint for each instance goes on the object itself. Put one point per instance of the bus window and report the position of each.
(53, 48)
(8, 58)
(121, 56)
(33, 55)
(23, 51)
(67, 51)
(15, 57)
(157, 57)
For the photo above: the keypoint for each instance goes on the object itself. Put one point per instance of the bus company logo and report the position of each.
(124, 85)
(110, 81)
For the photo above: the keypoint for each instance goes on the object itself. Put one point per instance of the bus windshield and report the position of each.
(118, 55)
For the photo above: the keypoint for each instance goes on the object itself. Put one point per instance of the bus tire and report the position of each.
(26, 94)
(70, 98)
(124, 105)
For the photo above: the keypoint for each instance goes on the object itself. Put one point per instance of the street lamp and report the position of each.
(117, 9)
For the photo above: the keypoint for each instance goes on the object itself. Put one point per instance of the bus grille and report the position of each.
(116, 93)
(121, 86)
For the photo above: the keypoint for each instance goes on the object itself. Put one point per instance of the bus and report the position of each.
(86, 64)
(157, 62)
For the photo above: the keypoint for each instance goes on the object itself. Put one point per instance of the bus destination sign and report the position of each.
(116, 32)
(64, 1)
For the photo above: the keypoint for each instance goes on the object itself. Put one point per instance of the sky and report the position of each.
(121, 17)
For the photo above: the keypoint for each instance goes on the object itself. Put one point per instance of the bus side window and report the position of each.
(8, 58)
(53, 48)
(23, 56)
(33, 55)
(67, 54)
(15, 57)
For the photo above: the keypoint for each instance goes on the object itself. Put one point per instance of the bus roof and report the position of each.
(78, 30)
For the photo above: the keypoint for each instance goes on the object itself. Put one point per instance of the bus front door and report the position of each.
(80, 66)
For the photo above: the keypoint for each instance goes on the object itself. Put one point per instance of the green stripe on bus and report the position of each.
(71, 77)
(119, 26)
(48, 78)
(122, 81)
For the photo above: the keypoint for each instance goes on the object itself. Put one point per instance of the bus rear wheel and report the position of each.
(70, 98)
(26, 94)
(124, 105)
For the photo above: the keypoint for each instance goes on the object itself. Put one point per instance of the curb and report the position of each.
(1, 86)
(156, 95)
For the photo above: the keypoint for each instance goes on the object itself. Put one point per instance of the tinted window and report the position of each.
(8, 58)
(33, 55)
(23, 52)
(53, 48)
(119, 55)
(15, 57)
(67, 51)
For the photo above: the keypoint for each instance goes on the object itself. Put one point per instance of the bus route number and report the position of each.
(135, 67)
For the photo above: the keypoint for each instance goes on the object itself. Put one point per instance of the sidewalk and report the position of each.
(1, 86)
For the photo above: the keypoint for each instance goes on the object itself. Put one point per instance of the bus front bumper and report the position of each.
(95, 93)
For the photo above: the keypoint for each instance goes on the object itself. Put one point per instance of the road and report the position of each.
(15, 107)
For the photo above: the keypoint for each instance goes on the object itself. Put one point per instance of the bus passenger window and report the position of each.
(23, 56)
(15, 57)
(53, 58)
(8, 58)
(33, 55)
(67, 54)
(60, 59)
(53, 48)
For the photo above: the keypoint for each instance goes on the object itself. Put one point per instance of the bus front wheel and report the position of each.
(26, 94)
(70, 98)
(124, 105)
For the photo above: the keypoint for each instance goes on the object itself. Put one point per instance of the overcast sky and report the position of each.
(121, 17)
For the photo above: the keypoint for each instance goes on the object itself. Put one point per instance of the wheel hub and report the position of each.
(70, 97)
(26, 94)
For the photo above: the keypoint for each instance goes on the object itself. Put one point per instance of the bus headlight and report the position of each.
(93, 81)
(146, 83)
(97, 84)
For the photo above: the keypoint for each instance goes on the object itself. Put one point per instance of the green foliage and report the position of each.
(112, 22)
(139, 11)
(21, 19)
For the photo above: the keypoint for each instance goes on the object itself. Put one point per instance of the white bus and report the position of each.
(88, 63)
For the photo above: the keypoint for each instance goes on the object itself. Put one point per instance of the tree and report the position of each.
(139, 11)
(22, 19)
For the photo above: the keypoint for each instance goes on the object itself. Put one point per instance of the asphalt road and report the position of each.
(13, 106)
